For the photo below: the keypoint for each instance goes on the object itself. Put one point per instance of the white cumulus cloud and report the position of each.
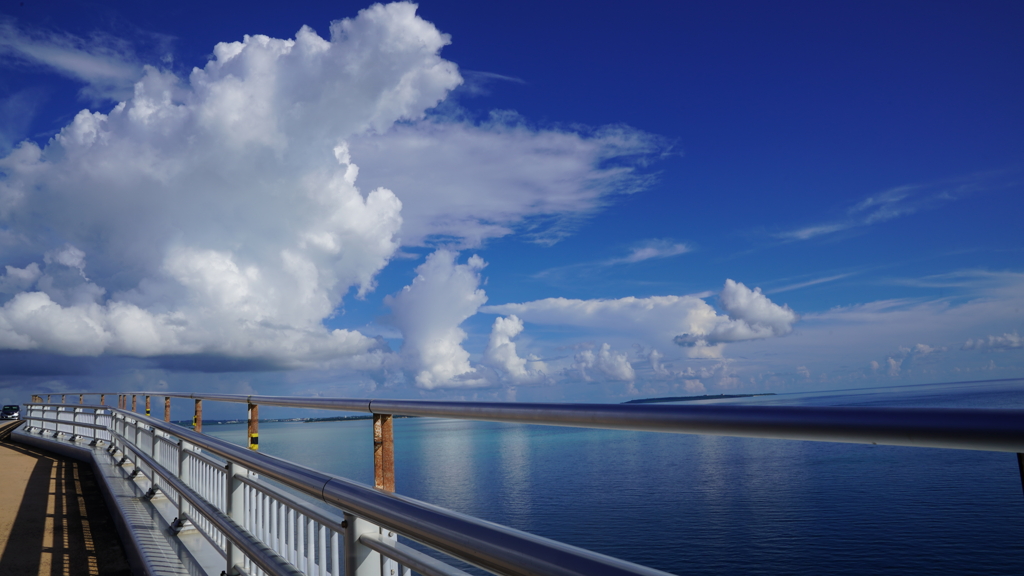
(226, 213)
(219, 214)
(429, 312)
(501, 352)
(606, 364)
(1005, 341)
(752, 316)
(687, 320)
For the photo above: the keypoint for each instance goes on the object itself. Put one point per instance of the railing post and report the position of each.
(167, 408)
(235, 501)
(360, 560)
(135, 437)
(47, 398)
(383, 452)
(384, 475)
(81, 398)
(147, 404)
(183, 473)
(197, 418)
(103, 398)
(62, 398)
(254, 427)
(134, 407)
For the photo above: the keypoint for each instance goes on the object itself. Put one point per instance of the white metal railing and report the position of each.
(259, 528)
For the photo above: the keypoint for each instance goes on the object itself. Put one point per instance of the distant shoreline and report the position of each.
(692, 398)
(188, 423)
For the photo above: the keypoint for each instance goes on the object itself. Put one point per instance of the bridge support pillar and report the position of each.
(147, 405)
(384, 473)
(254, 427)
(383, 452)
(167, 408)
(134, 406)
(197, 417)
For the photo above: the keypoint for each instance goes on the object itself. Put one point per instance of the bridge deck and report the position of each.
(53, 519)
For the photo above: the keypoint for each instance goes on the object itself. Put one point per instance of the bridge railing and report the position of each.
(205, 476)
(221, 490)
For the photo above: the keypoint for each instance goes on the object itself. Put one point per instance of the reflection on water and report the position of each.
(514, 473)
(705, 504)
(446, 462)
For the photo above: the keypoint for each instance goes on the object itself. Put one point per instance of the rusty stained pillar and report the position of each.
(167, 408)
(122, 401)
(383, 453)
(147, 405)
(47, 398)
(197, 418)
(134, 404)
(103, 398)
(254, 427)
(81, 398)
(63, 398)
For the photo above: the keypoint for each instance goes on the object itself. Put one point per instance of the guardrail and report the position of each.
(262, 529)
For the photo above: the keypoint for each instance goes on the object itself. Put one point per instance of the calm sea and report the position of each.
(710, 505)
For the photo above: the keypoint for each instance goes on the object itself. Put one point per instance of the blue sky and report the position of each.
(573, 201)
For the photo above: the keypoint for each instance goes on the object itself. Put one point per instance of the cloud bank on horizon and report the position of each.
(234, 213)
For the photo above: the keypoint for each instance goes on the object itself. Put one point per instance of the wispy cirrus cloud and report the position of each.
(109, 66)
(808, 283)
(645, 250)
(895, 203)
(650, 250)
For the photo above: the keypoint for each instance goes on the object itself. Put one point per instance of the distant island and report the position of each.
(188, 423)
(692, 398)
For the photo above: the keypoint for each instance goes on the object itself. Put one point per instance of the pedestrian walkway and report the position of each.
(53, 519)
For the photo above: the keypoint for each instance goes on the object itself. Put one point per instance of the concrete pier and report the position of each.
(53, 518)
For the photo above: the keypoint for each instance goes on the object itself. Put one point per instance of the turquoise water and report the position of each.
(709, 505)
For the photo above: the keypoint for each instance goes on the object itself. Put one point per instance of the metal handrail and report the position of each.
(487, 545)
(265, 557)
(418, 561)
(967, 429)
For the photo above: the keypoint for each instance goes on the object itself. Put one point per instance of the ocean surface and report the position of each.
(691, 504)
